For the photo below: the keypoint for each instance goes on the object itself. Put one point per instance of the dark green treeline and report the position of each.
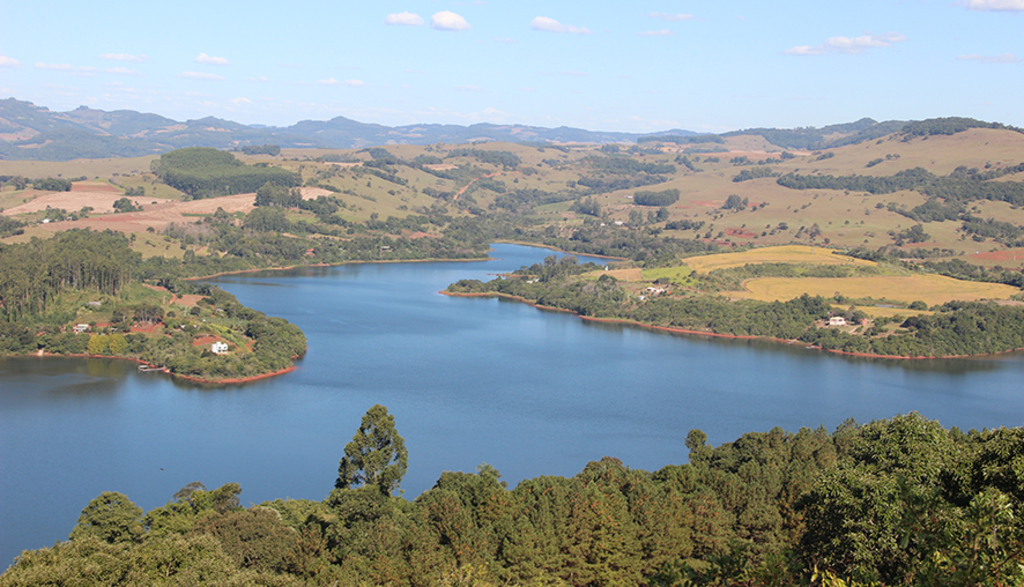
(894, 502)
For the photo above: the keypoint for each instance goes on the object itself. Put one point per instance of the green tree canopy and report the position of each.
(376, 455)
(111, 517)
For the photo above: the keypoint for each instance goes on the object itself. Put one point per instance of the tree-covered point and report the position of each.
(202, 172)
(47, 286)
(897, 502)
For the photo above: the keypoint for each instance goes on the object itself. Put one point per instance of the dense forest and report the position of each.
(202, 172)
(902, 501)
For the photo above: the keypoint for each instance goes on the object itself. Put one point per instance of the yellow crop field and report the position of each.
(931, 289)
(879, 312)
(781, 254)
(635, 274)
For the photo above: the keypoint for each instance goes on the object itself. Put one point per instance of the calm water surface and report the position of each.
(469, 381)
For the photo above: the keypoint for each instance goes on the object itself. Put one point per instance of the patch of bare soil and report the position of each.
(158, 216)
(187, 300)
(311, 193)
(102, 202)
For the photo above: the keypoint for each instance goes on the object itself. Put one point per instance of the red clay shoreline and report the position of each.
(715, 334)
(230, 380)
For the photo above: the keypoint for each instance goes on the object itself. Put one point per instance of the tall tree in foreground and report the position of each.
(376, 456)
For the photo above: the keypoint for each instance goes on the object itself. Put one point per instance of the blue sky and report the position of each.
(614, 66)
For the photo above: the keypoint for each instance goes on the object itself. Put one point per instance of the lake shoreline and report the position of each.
(342, 264)
(717, 334)
(155, 369)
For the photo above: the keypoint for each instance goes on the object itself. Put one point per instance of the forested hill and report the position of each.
(893, 502)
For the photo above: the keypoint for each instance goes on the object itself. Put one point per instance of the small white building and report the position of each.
(837, 321)
(219, 347)
(80, 328)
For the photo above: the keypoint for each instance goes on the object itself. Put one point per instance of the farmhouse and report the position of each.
(80, 328)
(837, 321)
(219, 347)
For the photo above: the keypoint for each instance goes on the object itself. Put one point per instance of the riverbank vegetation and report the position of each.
(775, 304)
(893, 502)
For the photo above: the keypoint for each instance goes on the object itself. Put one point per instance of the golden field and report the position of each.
(931, 289)
(783, 254)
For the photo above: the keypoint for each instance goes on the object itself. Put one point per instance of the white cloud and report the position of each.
(122, 71)
(6, 61)
(469, 89)
(207, 60)
(993, 5)
(353, 83)
(1004, 58)
(241, 101)
(404, 19)
(543, 23)
(124, 57)
(661, 33)
(67, 68)
(848, 45)
(674, 17)
(448, 21)
(210, 77)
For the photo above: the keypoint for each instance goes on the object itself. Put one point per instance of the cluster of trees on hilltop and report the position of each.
(662, 198)
(507, 160)
(681, 140)
(959, 186)
(893, 502)
(202, 172)
(629, 166)
(949, 126)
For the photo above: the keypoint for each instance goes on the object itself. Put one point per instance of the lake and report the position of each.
(469, 381)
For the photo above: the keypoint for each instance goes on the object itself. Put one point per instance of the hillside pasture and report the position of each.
(780, 254)
(931, 289)
(680, 274)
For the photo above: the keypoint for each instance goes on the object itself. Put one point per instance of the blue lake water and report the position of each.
(469, 380)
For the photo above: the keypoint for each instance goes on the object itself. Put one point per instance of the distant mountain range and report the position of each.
(32, 132)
